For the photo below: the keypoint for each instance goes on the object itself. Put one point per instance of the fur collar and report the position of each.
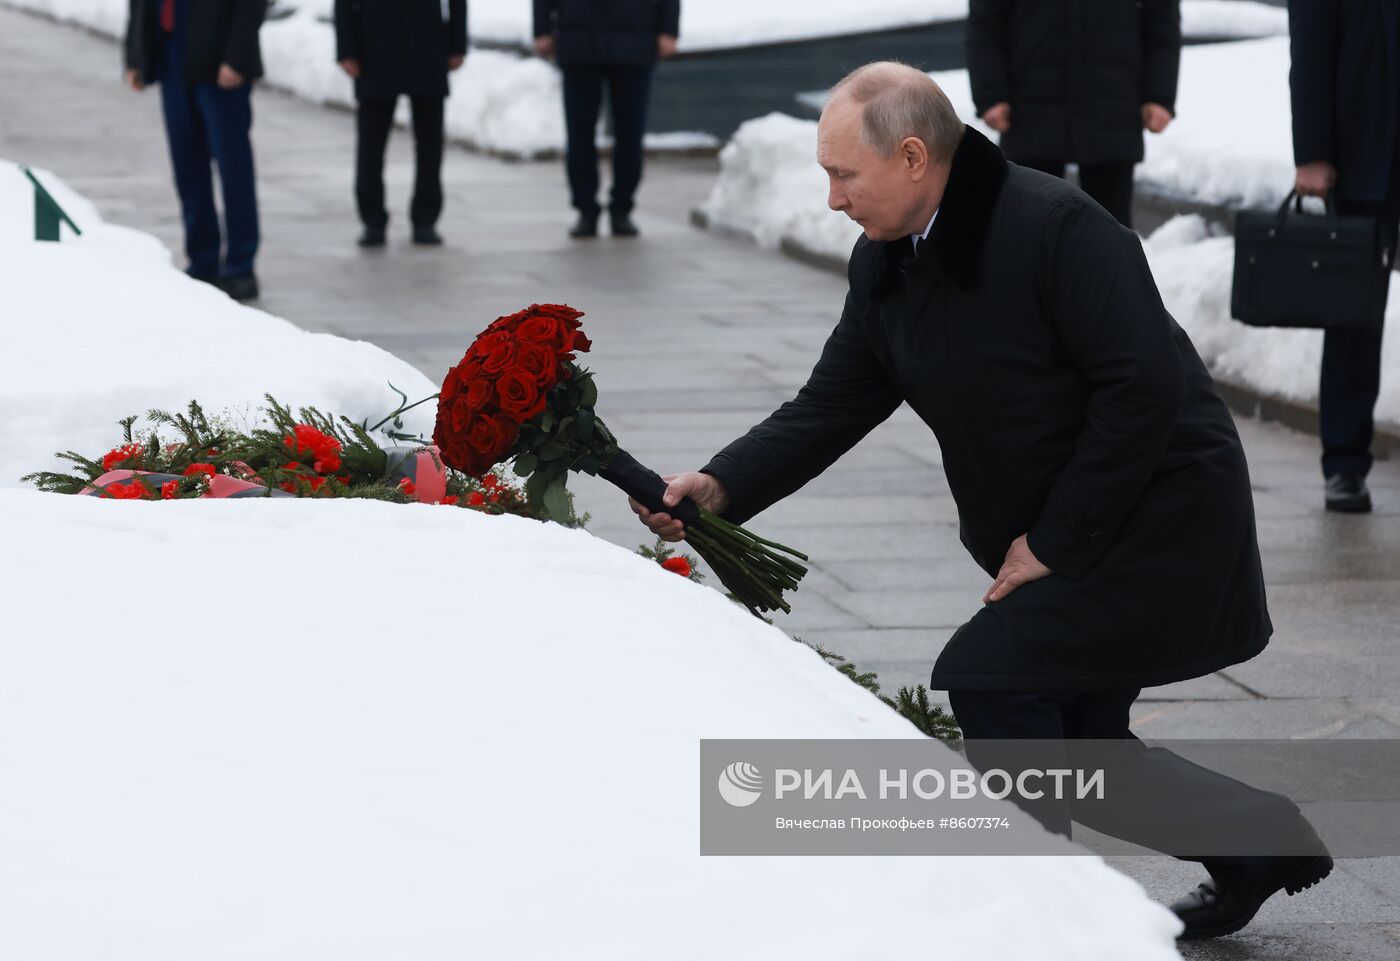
(960, 232)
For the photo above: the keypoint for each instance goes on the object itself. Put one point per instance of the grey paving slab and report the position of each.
(697, 336)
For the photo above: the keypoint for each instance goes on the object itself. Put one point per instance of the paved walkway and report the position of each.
(698, 336)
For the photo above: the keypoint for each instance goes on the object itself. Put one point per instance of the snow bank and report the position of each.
(1193, 272)
(102, 326)
(1230, 144)
(349, 731)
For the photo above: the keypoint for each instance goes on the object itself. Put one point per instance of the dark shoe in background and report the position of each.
(1225, 905)
(622, 226)
(427, 237)
(1347, 494)
(241, 289)
(585, 226)
(372, 237)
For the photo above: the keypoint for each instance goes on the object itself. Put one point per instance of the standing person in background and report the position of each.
(1076, 81)
(393, 48)
(616, 42)
(205, 56)
(1345, 85)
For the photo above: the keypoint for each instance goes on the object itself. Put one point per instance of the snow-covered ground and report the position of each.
(101, 326)
(315, 730)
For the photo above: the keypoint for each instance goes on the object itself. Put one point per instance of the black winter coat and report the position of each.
(1345, 82)
(217, 32)
(1068, 405)
(402, 45)
(607, 31)
(1076, 73)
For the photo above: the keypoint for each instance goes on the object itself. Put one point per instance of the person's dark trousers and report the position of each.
(206, 124)
(629, 87)
(374, 120)
(1351, 372)
(1155, 793)
(1110, 184)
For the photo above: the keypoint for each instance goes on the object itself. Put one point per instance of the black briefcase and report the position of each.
(1296, 269)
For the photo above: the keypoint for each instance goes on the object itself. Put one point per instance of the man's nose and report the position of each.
(836, 199)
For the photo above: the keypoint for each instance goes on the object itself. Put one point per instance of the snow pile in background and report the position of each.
(1232, 18)
(102, 326)
(1194, 273)
(297, 730)
(1230, 144)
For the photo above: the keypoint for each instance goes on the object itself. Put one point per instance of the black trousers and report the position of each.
(629, 87)
(1155, 793)
(1351, 369)
(374, 121)
(1110, 184)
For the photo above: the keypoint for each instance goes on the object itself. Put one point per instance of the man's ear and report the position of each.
(914, 156)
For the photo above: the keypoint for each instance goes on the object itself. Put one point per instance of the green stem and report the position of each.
(402, 410)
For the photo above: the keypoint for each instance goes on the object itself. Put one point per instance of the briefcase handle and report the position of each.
(1330, 209)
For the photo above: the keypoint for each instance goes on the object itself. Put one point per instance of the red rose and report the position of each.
(677, 565)
(518, 396)
(540, 362)
(169, 490)
(496, 351)
(194, 469)
(478, 395)
(490, 440)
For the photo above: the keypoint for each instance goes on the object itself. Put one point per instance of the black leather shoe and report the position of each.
(1347, 494)
(622, 226)
(241, 289)
(1221, 907)
(371, 237)
(427, 237)
(585, 226)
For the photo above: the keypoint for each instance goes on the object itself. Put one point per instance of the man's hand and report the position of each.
(701, 488)
(132, 78)
(665, 46)
(1315, 179)
(351, 67)
(455, 61)
(1155, 117)
(546, 46)
(998, 117)
(1020, 567)
(229, 78)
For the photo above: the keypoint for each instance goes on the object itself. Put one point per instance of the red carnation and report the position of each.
(169, 490)
(450, 500)
(677, 565)
(475, 499)
(132, 491)
(407, 487)
(194, 469)
(120, 455)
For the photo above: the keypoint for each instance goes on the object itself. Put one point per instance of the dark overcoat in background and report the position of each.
(1029, 335)
(1345, 81)
(1076, 73)
(218, 32)
(402, 45)
(607, 31)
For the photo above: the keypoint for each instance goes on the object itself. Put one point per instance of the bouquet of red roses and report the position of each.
(518, 393)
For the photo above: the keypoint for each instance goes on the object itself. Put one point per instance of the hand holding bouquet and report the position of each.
(518, 393)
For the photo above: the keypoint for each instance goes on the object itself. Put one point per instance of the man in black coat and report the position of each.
(617, 43)
(205, 56)
(393, 48)
(1076, 81)
(1345, 84)
(1098, 476)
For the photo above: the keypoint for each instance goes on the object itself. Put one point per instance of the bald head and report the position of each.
(898, 102)
(886, 140)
